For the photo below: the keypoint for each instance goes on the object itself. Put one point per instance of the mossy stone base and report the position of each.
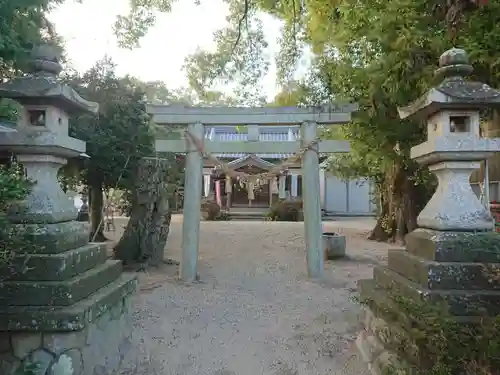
(481, 247)
(100, 347)
(52, 238)
(388, 342)
(460, 302)
(59, 293)
(376, 350)
(434, 275)
(70, 318)
(60, 281)
(456, 271)
(54, 267)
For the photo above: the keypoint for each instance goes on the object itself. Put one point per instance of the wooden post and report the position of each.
(281, 187)
(486, 185)
(192, 205)
(229, 191)
(207, 184)
(270, 186)
(294, 189)
(311, 202)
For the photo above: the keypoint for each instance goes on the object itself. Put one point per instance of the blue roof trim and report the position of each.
(8, 126)
(266, 134)
(262, 156)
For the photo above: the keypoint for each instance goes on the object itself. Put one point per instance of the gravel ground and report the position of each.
(254, 310)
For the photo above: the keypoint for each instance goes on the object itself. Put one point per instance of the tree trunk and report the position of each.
(380, 232)
(147, 230)
(401, 202)
(96, 203)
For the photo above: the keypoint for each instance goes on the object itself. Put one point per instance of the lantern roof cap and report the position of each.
(42, 86)
(455, 92)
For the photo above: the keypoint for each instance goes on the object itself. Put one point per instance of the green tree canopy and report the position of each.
(381, 54)
(121, 133)
(23, 24)
(117, 137)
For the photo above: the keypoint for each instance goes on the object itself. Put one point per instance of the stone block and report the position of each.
(482, 247)
(70, 318)
(369, 346)
(8, 364)
(100, 346)
(116, 311)
(380, 360)
(394, 336)
(390, 363)
(69, 362)
(101, 337)
(129, 303)
(42, 358)
(25, 343)
(334, 245)
(55, 267)
(445, 275)
(466, 302)
(388, 342)
(53, 238)
(459, 302)
(61, 341)
(5, 342)
(387, 322)
(59, 293)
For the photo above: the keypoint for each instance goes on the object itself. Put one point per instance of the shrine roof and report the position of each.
(266, 133)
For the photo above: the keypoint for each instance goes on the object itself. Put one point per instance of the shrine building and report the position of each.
(338, 197)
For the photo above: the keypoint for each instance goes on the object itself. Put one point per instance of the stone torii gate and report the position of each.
(193, 120)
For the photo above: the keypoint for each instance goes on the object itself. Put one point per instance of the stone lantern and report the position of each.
(446, 256)
(63, 304)
(454, 148)
(42, 143)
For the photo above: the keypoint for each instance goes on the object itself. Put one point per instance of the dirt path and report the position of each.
(254, 311)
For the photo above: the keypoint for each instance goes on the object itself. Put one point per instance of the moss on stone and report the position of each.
(54, 267)
(59, 293)
(454, 246)
(70, 318)
(426, 336)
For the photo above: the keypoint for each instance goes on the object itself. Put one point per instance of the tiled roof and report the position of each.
(266, 133)
(8, 126)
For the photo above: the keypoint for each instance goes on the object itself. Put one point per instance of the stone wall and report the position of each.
(98, 349)
(372, 342)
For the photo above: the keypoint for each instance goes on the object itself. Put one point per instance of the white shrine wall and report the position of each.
(347, 198)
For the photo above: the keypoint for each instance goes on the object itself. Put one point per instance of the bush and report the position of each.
(14, 187)
(286, 210)
(210, 210)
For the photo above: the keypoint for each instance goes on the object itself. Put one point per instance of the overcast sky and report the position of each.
(87, 30)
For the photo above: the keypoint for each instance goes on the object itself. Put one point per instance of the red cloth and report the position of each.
(217, 193)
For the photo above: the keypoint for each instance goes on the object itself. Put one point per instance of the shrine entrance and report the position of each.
(242, 196)
(236, 193)
(186, 134)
